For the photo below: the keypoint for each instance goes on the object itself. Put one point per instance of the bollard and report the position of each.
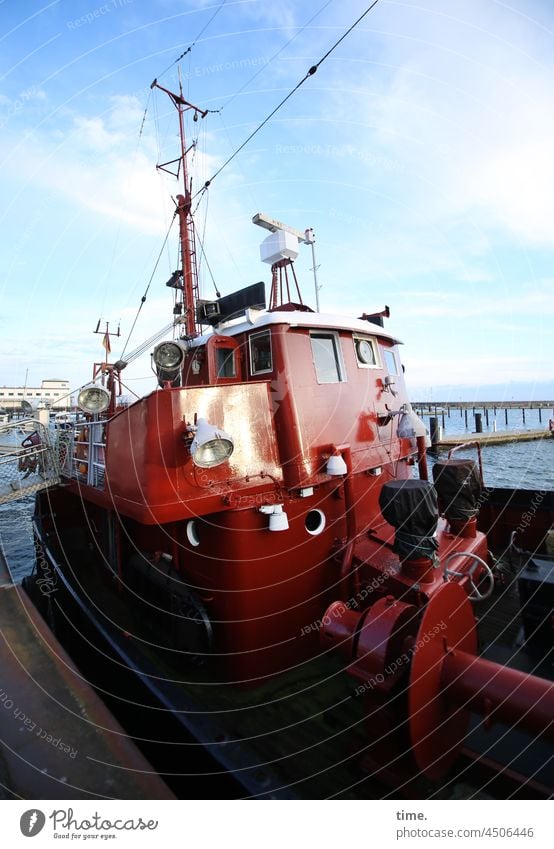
(435, 430)
(478, 423)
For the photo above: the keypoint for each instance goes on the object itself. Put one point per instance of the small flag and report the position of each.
(106, 342)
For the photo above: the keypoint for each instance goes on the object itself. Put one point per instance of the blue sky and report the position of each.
(421, 153)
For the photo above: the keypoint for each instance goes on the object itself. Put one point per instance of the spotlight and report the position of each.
(211, 446)
(93, 399)
(410, 425)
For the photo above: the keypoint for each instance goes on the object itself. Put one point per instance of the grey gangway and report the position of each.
(29, 459)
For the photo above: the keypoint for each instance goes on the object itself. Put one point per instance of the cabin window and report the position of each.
(327, 358)
(260, 352)
(366, 352)
(225, 362)
(391, 362)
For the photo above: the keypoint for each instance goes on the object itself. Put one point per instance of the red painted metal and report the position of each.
(500, 693)
(446, 680)
(378, 565)
(374, 641)
(279, 275)
(437, 727)
(422, 458)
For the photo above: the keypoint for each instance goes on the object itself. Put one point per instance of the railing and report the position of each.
(29, 459)
(83, 451)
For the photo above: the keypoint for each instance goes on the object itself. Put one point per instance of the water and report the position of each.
(455, 422)
(16, 535)
(525, 465)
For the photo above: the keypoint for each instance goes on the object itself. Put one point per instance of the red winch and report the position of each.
(414, 649)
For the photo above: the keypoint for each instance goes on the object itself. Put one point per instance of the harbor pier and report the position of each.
(488, 422)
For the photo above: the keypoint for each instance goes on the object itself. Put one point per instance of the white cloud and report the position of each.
(470, 118)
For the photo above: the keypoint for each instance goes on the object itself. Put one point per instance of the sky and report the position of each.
(421, 153)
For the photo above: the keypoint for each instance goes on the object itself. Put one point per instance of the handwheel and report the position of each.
(477, 594)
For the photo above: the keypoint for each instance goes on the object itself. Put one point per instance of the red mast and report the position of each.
(189, 270)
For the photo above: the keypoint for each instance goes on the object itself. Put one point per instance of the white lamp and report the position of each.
(336, 465)
(278, 520)
(410, 426)
(211, 446)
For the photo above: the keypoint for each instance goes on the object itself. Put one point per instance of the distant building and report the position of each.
(55, 394)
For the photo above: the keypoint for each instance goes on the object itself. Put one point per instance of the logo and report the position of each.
(32, 822)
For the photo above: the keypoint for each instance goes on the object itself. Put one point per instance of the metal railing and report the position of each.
(82, 452)
(29, 459)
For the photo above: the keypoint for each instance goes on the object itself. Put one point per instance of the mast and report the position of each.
(188, 283)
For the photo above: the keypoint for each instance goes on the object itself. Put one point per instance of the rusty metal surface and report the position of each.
(57, 739)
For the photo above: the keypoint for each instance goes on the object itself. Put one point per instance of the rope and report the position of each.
(270, 60)
(143, 299)
(308, 74)
(189, 48)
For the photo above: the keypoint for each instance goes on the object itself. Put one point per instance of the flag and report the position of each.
(106, 342)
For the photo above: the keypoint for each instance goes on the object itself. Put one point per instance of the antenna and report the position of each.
(188, 284)
(286, 248)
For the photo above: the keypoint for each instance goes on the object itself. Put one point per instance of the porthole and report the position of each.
(365, 352)
(192, 533)
(315, 522)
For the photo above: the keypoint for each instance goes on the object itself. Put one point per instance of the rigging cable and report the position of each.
(270, 60)
(200, 242)
(156, 123)
(143, 299)
(189, 48)
(308, 74)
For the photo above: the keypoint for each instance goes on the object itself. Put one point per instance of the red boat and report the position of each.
(255, 555)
